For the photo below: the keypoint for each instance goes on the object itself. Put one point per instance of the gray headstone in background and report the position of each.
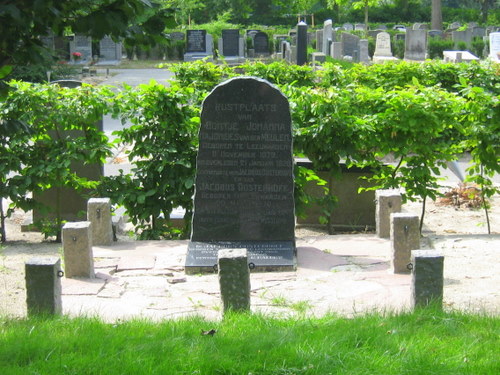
(43, 286)
(348, 26)
(463, 36)
(360, 27)
(234, 279)
(435, 34)
(350, 44)
(302, 43)
(230, 42)
(244, 177)
(109, 50)
(455, 25)
(83, 45)
(381, 27)
(495, 46)
(327, 37)
(415, 45)
(261, 43)
(319, 40)
(364, 56)
(336, 50)
(178, 36)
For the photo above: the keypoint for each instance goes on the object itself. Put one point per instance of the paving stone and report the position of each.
(106, 262)
(136, 262)
(81, 286)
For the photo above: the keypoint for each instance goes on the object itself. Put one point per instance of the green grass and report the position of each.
(424, 342)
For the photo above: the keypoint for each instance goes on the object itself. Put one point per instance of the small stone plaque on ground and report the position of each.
(244, 182)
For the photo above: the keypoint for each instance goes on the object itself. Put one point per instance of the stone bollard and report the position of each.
(99, 214)
(43, 286)
(77, 247)
(405, 237)
(234, 279)
(388, 202)
(426, 278)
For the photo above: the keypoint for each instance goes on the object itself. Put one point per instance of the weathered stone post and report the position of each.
(301, 43)
(388, 202)
(405, 237)
(426, 278)
(77, 247)
(43, 286)
(234, 279)
(99, 214)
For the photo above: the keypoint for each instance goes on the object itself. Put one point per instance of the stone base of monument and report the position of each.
(263, 256)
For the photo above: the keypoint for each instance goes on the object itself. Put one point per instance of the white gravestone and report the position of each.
(495, 47)
(383, 49)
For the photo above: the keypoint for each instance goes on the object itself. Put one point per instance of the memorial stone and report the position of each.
(348, 26)
(427, 278)
(109, 50)
(455, 26)
(415, 45)
(327, 37)
(234, 279)
(360, 27)
(302, 43)
(364, 56)
(231, 42)
(244, 178)
(495, 47)
(196, 41)
(383, 49)
(460, 37)
(43, 286)
(478, 32)
(319, 40)
(83, 45)
(336, 50)
(261, 43)
(350, 44)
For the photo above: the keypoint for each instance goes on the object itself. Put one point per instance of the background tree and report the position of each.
(356, 4)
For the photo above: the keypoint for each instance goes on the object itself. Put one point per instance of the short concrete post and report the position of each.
(405, 237)
(77, 247)
(427, 278)
(99, 214)
(234, 279)
(388, 202)
(43, 286)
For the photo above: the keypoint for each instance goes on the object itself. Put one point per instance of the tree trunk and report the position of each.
(366, 18)
(3, 237)
(436, 15)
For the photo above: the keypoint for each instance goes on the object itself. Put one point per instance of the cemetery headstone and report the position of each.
(302, 43)
(461, 37)
(399, 28)
(230, 42)
(319, 40)
(364, 56)
(415, 45)
(336, 50)
(495, 47)
(198, 45)
(383, 49)
(350, 44)
(455, 26)
(327, 37)
(261, 43)
(244, 182)
(109, 50)
(359, 27)
(478, 32)
(83, 45)
(348, 26)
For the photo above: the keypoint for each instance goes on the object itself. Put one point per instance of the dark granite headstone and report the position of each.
(261, 43)
(244, 181)
(230, 40)
(301, 43)
(350, 44)
(196, 41)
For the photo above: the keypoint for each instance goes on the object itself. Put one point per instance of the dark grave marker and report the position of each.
(196, 41)
(244, 182)
(261, 43)
(231, 42)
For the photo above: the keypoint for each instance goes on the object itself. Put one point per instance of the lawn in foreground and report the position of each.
(425, 342)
